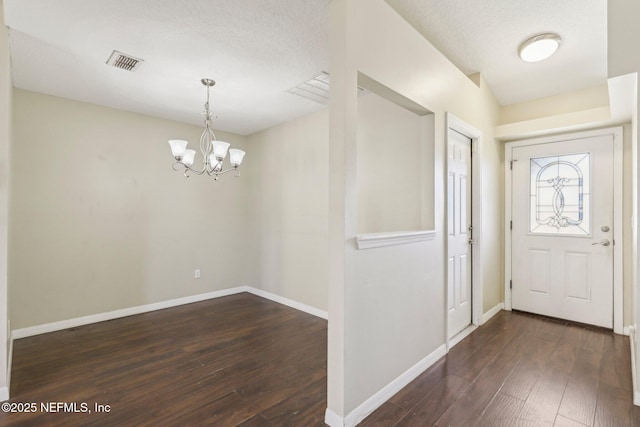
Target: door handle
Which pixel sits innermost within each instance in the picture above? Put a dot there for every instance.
(603, 242)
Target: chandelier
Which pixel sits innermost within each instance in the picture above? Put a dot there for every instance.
(213, 151)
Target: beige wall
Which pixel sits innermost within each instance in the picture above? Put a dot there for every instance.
(5, 136)
(288, 170)
(99, 221)
(392, 158)
(585, 99)
(387, 305)
(485, 111)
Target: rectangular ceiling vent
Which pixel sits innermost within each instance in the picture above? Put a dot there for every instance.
(317, 88)
(124, 61)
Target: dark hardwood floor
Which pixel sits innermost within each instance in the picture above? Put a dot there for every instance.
(246, 361)
(521, 370)
(234, 361)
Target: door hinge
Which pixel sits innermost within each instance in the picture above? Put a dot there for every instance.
(511, 163)
(510, 225)
(510, 284)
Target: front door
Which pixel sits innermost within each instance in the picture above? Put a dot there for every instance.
(562, 229)
(459, 239)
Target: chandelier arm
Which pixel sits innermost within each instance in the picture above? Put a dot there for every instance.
(197, 172)
(211, 170)
(229, 170)
(186, 169)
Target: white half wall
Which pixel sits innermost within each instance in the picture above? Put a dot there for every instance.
(387, 305)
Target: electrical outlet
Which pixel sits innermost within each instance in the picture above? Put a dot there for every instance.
(196, 274)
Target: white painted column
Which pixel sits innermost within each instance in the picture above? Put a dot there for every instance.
(337, 123)
(624, 58)
(5, 134)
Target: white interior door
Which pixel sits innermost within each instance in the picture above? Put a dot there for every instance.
(562, 230)
(459, 211)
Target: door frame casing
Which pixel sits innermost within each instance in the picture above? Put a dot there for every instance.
(618, 246)
(458, 125)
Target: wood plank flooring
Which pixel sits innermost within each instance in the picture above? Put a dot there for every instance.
(249, 362)
(521, 370)
(234, 361)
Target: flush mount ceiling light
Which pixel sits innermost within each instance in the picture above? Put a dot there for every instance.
(213, 151)
(539, 47)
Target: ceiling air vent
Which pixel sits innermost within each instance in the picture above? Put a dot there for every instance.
(124, 61)
(317, 88)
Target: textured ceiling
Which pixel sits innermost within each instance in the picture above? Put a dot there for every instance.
(258, 49)
(255, 49)
(483, 36)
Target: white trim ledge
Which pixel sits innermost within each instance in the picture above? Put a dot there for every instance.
(377, 240)
(492, 312)
(367, 407)
(4, 394)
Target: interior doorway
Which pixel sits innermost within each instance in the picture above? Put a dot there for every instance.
(460, 231)
(463, 225)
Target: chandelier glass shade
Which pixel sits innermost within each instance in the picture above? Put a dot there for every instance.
(213, 151)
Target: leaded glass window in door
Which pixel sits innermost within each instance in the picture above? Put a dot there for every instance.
(559, 197)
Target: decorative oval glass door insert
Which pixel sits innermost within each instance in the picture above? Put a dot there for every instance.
(559, 197)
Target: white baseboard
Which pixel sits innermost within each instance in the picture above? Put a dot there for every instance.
(4, 394)
(116, 314)
(374, 402)
(625, 330)
(289, 302)
(492, 312)
(110, 315)
(332, 419)
(634, 378)
(461, 335)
